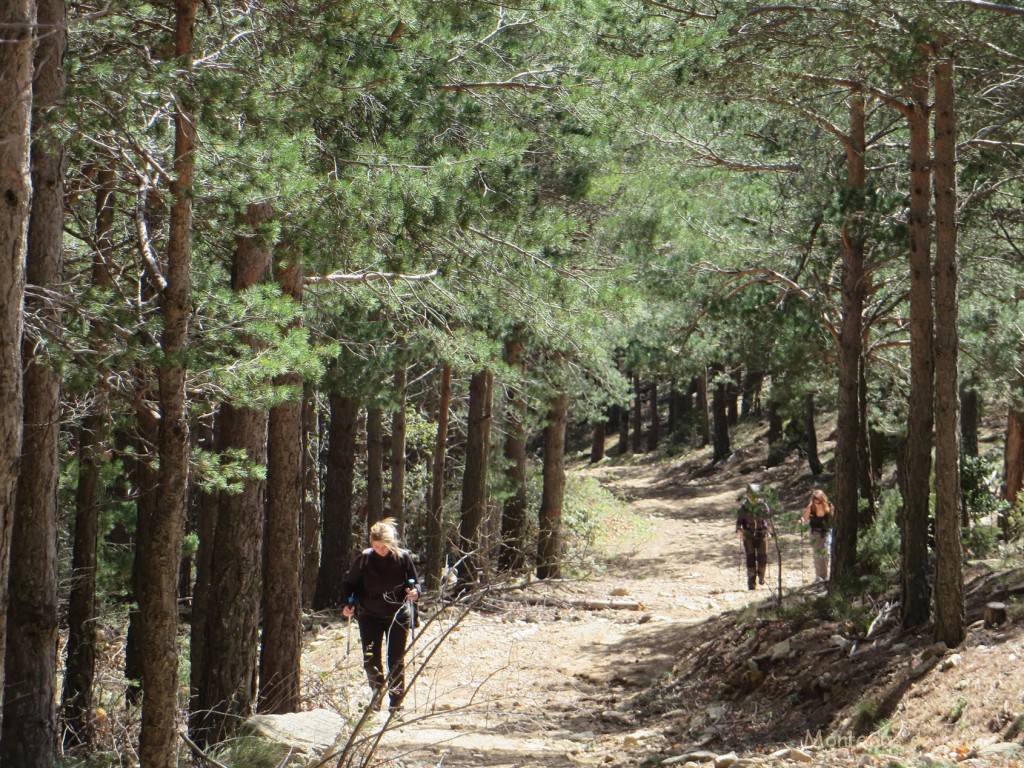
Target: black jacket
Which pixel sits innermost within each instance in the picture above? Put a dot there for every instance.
(377, 584)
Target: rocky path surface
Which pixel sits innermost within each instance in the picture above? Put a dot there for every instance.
(535, 683)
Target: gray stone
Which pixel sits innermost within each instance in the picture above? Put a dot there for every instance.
(310, 733)
(726, 761)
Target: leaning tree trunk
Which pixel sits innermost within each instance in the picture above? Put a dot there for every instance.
(396, 498)
(158, 575)
(435, 518)
(950, 613)
(310, 526)
(915, 598)
(228, 680)
(513, 517)
(846, 464)
(281, 640)
(339, 491)
(374, 465)
(719, 416)
(474, 479)
(29, 735)
(17, 20)
(549, 543)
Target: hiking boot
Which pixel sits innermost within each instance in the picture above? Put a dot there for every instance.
(751, 584)
(760, 580)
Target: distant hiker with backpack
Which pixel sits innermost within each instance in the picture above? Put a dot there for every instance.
(754, 524)
(381, 589)
(818, 514)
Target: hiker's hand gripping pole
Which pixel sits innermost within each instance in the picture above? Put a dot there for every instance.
(347, 611)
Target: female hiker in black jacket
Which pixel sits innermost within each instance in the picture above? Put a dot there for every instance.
(380, 588)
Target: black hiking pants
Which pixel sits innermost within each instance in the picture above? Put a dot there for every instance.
(372, 632)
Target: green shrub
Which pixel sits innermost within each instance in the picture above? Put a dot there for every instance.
(878, 548)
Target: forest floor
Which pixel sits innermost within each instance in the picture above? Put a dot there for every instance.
(691, 667)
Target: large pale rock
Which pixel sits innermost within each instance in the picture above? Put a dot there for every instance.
(309, 733)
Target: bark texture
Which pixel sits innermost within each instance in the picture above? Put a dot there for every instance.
(513, 518)
(336, 534)
(474, 479)
(30, 714)
(281, 646)
(950, 612)
(16, 20)
(844, 547)
(435, 520)
(549, 545)
(916, 594)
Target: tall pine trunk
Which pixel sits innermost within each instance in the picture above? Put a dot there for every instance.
(915, 593)
(228, 678)
(374, 465)
(29, 713)
(158, 573)
(950, 613)
(513, 517)
(719, 415)
(848, 426)
(654, 433)
(17, 18)
(549, 565)
(703, 415)
(310, 498)
(638, 415)
(396, 498)
(435, 518)
(80, 664)
(339, 492)
(281, 641)
(474, 479)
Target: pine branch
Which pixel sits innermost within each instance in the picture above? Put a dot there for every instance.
(367, 277)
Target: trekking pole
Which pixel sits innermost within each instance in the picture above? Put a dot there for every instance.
(348, 632)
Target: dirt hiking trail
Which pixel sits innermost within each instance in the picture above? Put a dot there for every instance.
(541, 682)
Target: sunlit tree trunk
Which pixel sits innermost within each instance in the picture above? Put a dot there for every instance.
(281, 640)
(950, 613)
(915, 593)
(158, 574)
(228, 688)
(17, 18)
(29, 710)
(845, 497)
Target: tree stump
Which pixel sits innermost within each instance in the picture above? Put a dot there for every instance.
(995, 614)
